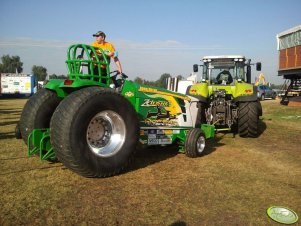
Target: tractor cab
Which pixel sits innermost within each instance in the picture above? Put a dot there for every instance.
(226, 69)
(223, 70)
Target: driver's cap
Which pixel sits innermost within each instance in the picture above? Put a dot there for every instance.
(99, 33)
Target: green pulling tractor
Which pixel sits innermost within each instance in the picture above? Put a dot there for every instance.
(93, 120)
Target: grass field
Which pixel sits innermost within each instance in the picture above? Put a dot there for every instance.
(233, 184)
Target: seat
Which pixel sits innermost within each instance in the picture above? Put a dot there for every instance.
(224, 77)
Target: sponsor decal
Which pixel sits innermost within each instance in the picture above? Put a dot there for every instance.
(147, 89)
(176, 131)
(152, 103)
(129, 94)
(152, 136)
(152, 131)
(152, 90)
(160, 122)
(165, 141)
(152, 141)
(160, 131)
(168, 131)
(159, 114)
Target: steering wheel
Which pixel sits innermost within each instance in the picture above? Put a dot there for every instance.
(124, 76)
(118, 82)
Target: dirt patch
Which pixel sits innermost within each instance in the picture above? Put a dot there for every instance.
(232, 184)
(294, 102)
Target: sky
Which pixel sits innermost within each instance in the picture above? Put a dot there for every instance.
(151, 37)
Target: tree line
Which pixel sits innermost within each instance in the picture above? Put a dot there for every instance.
(161, 82)
(13, 64)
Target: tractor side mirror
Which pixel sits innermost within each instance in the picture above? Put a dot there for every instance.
(248, 75)
(195, 68)
(258, 66)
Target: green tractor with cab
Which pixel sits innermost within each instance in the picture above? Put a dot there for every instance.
(227, 99)
(92, 122)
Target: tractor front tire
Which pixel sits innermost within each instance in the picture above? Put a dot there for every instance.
(94, 132)
(194, 143)
(248, 115)
(37, 112)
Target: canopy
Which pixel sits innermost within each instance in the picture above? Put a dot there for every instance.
(289, 38)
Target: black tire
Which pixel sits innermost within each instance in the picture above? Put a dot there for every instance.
(82, 129)
(194, 143)
(248, 115)
(259, 108)
(262, 98)
(37, 112)
(18, 134)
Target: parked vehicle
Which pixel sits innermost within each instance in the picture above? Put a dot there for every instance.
(264, 91)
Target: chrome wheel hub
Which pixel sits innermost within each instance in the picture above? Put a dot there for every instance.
(200, 144)
(106, 133)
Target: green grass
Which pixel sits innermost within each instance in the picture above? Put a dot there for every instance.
(233, 184)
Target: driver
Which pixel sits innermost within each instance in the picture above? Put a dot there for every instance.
(109, 50)
(224, 77)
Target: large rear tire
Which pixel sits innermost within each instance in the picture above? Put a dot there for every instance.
(94, 132)
(248, 115)
(37, 112)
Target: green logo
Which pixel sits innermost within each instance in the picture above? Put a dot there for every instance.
(282, 214)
